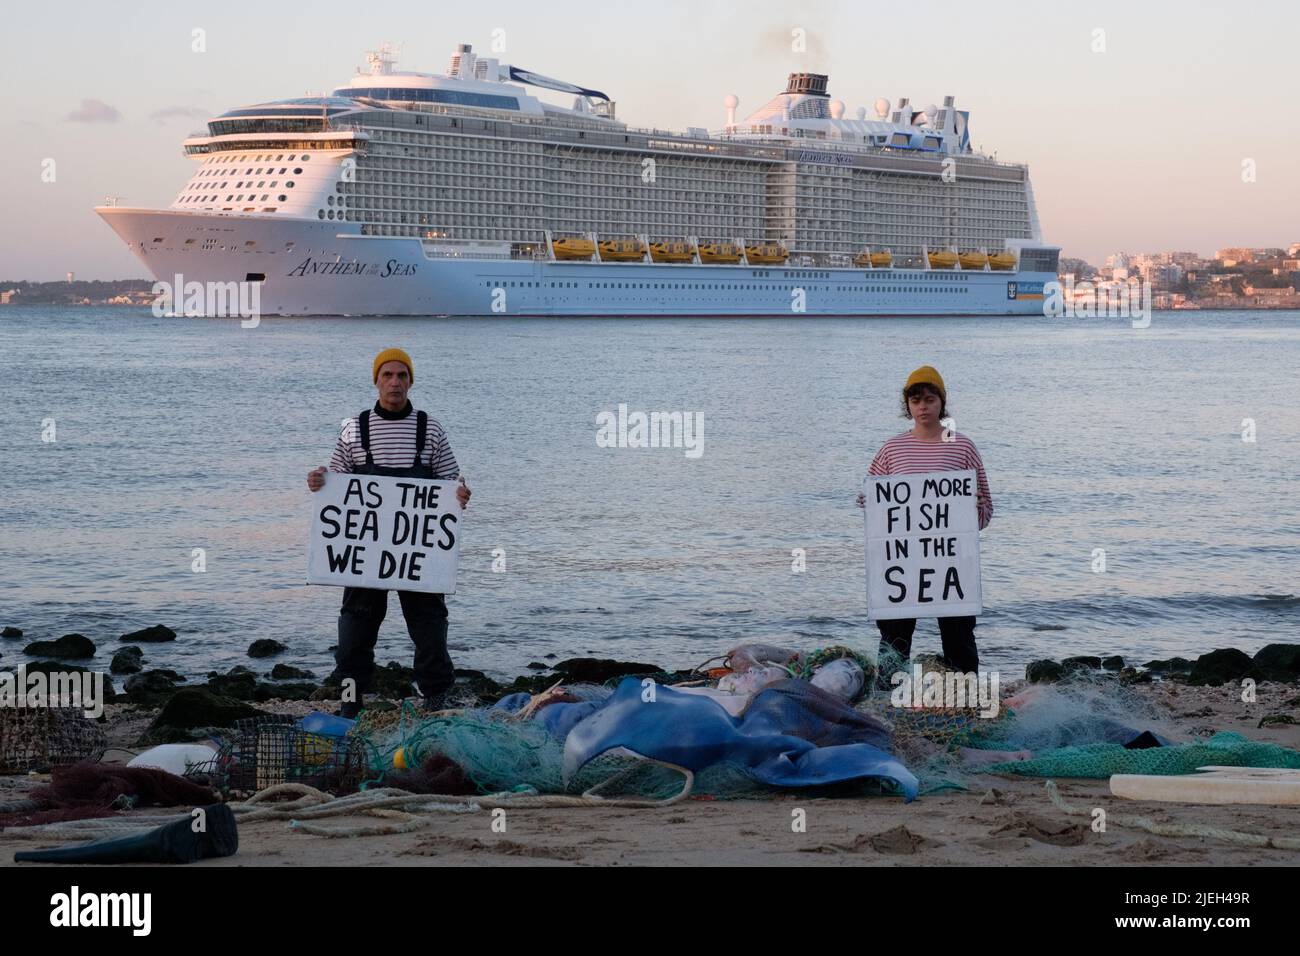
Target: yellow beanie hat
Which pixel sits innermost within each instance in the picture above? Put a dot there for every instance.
(925, 375)
(394, 355)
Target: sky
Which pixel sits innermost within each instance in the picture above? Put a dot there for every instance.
(1146, 126)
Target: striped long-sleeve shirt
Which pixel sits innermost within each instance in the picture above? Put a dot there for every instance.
(392, 444)
(906, 455)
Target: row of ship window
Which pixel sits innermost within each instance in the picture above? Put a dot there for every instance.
(719, 286)
(260, 158)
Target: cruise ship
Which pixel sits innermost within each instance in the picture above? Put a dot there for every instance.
(468, 194)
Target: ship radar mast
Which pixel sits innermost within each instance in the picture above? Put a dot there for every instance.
(381, 61)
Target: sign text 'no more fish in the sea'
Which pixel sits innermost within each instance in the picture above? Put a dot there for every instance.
(923, 545)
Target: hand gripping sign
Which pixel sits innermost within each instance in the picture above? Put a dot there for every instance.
(923, 545)
(395, 534)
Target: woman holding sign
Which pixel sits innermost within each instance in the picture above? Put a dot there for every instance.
(929, 447)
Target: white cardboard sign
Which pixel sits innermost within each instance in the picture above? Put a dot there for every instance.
(376, 531)
(923, 545)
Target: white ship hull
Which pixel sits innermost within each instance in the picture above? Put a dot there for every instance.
(321, 268)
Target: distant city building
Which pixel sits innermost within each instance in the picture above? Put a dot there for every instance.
(1234, 257)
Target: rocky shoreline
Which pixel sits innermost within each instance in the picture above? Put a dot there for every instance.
(157, 705)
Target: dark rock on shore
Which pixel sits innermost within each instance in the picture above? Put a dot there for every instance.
(1174, 665)
(292, 690)
(1131, 675)
(1071, 664)
(593, 670)
(285, 672)
(1044, 672)
(12, 632)
(129, 660)
(239, 683)
(1279, 661)
(70, 646)
(189, 713)
(150, 635)
(151, 688)
(265, 647)
(1115, 663)
(537, 666)
(1218, 667)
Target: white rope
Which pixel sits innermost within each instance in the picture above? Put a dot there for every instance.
(1176, 829)
(388, 803)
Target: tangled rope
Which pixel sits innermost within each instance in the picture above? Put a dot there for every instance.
(407, 811)
(1176, 829)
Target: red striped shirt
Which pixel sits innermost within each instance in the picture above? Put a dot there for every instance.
(907, 455)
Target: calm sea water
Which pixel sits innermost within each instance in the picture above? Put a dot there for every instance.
(176, 434)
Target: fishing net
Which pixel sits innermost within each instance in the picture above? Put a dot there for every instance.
(1076, 728)
(498, 752)
(1102, 760)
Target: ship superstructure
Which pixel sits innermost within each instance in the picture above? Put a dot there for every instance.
(466, 193)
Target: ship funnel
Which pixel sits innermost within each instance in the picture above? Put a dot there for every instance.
(730, 102)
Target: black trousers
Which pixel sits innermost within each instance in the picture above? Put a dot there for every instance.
(426, 621)
(958, 634)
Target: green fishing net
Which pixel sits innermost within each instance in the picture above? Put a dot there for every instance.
(1099, 761)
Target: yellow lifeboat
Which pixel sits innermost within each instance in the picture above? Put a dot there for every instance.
(766, 254)
(573, 247)
(972, 260)
(942, 259)
(724, 252)
(1002, 261)
(621, 250)
(675, 251)
(875, 260)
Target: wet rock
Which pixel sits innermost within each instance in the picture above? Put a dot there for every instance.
(1115, 663)
(550, 657)
(69, 646)
(1218, 667)
(1131, 675)
(1269, 719)
(239, 684)
(12, 632)
(285, 672)
(1174, 665)
(286, 691)
(1279, 661)
(476, 684)
(537, 666)
(189, 713)
(265, 647)
(52, 667)
(1044, 672)
(324, 693)
(129, 660)
(1085, 663)
(593, 670)
(150, 688)
(150, 635)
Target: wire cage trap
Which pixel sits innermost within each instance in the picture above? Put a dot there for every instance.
(269, 750)
(42, 738)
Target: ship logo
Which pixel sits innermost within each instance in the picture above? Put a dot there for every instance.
(1011, 290)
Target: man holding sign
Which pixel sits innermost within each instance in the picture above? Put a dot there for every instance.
(397, 529)
(923, 531)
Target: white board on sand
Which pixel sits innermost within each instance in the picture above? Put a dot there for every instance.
(1261, 785)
